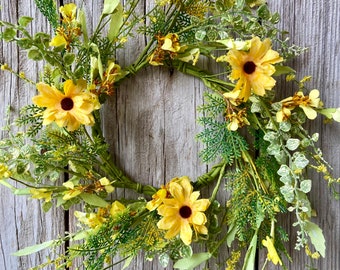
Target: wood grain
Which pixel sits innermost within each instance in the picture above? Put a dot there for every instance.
(150, 127)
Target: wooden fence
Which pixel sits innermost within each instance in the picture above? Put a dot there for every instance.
(150, 122)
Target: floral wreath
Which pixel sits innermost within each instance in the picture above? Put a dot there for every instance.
(264, 176)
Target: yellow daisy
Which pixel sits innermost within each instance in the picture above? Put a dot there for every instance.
(253, 69)
(69, 109)
(183, 211)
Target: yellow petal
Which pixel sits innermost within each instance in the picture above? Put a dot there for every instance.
(309, 112)
(198, 218)
(186, 233)
(57, 41)
(201, 205)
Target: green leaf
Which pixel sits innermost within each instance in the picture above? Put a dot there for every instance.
(93, 199)
(328, 112)
(292, 144)
(127, 262)
(164, 259)
(22, 191)
(110, 6)
(34, 54)
(82, 20)
(263, 12)
(195, 260)
(231, 234)
(316, 237)
(280, 70)
(306, 186)
(288, 193)
(9, 34)
(249, 260)
(47, 206)
(116, 23)
(33, 249)
(69, 58)
(300, 160)
(240, 4)
(24, 21)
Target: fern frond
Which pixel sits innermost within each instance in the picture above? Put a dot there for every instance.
(219, 141)
(49, 10)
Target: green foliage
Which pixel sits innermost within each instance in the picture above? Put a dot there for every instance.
(31, 118)
(49, 10)
(219, 141)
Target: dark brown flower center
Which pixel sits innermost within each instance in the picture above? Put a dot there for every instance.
(249, 67)
(185, 211)
(67, 104)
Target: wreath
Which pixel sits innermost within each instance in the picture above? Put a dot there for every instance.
(264, 171)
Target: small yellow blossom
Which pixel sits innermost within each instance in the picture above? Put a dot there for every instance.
(72, 191)
(272, 253)
(253, 69)
(237, 120)
(307, 103)
(182, 211)
(117, 208)
(188, 55)
(4, 171)
(41, 193)
(59, 39)
(107, 185)
(233, 97)
(157, 199)
(70, 109)
(92, 220)
(163, 2)
(168, 46)
(68, 12)
(5, 67)
(315, 255)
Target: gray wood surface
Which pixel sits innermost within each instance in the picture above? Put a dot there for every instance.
(150, 125)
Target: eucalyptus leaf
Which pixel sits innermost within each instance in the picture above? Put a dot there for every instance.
(292, 144)
(164, 259)
(270, 136)
(306, 186)
(300, 160)
(285, 126)
(193, 261)
(288, 193)
(200, 35)
(284, 170)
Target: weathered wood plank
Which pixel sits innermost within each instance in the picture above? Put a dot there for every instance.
(23, 221)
